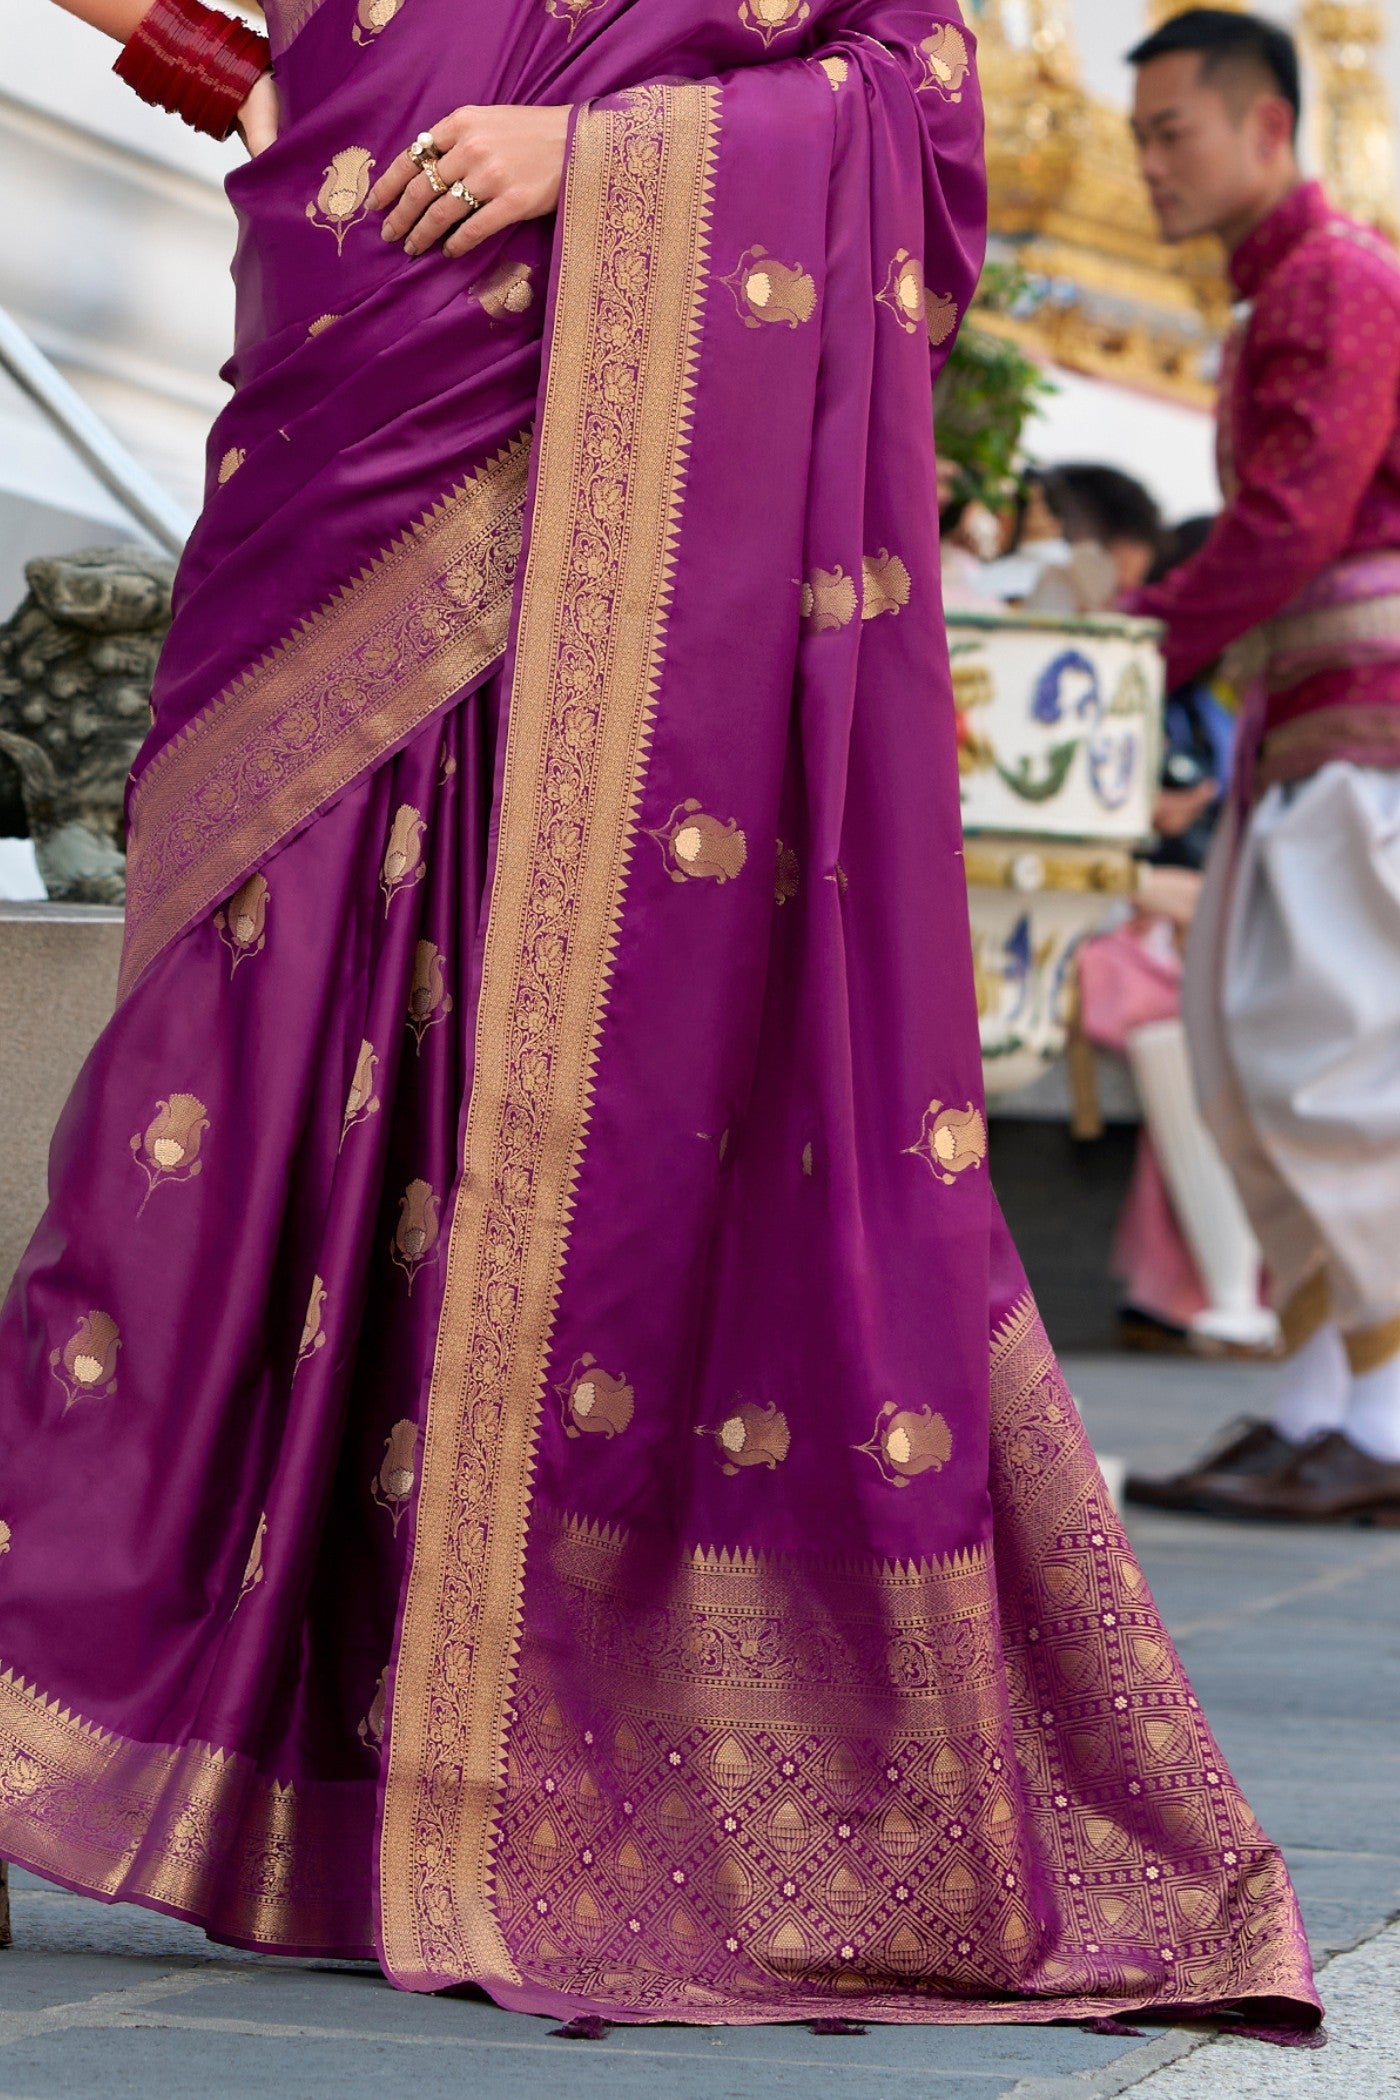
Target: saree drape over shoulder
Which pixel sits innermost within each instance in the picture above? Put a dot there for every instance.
(524, 1446)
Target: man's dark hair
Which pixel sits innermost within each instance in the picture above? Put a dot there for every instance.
(1230, 43)
(1103, 504)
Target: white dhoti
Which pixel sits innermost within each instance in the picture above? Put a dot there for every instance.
(1292, 1008)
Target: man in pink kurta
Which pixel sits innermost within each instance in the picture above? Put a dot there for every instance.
(1293, 983)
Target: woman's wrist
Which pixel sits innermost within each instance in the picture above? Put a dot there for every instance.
(196, 61)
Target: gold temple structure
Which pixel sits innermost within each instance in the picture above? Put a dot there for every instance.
(1104, 296)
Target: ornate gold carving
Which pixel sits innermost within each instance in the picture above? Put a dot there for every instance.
(908, 1441)
(343, 688)
(313, 1333)
(404, 866)
(630, 305)
(887, 585)
(698, 847)
(1348, 113)
(86, 1365)
(768, 292)
(393, 1485)
(769, 18)
(168, 1148)
(508, 291)
(242, 924)
(947, 62)
(429, 1000)
(829, 600)
(953, 1141)
(787, 876)
(416, 1234)
(253, 1571)
(231, 462)
(751, 1436)
(371, 16)
(340, 201)
(594, 1402)
(361, 1102)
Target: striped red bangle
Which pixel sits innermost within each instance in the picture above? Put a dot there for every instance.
(195, 61)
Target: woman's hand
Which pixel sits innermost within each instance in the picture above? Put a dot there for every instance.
(257, 119)
(510, 158)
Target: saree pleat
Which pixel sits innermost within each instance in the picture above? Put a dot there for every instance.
(576, 1495)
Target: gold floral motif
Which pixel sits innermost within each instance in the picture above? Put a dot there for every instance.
(371, 1728)
(371, 16)
(168, 1149)
(767, 291)
(242, 924)
(787, 875)
(393, 1485)
(751, 1436)
(509, 290)
(361, 1102)
(340, 201)
(321, 323)
(594, 1402)
(837, 71)
(809, 1159)
(947, 61)
(416, 1234)
(86, 1365)
(570, 11)
(448, 769)
(697, 847)
(769, 18)
(254, 1570)
(6, 1535)
(903, 293)
(953, 1140)
(829, 599)
(940, 316)
(908, 1441)
(404, 866)
(231, 462)
(313, 1333)
(429, 1000)
(887, 585)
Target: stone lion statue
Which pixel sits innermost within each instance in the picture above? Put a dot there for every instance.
(76, 664)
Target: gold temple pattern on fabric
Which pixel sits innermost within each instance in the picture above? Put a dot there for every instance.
(975, 1789)
(424, 618)
(612, 453)
(195, 1829)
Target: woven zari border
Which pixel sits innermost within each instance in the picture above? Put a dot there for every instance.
(634, 272)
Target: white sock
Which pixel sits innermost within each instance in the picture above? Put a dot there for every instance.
(1373, 1412)
(1313, 1388)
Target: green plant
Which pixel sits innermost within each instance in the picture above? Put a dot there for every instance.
(985, 395)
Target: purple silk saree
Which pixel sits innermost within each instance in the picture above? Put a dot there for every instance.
(524, 1446)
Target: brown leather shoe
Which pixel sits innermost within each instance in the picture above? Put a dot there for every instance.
(1247, 1450)
(1329, 1481)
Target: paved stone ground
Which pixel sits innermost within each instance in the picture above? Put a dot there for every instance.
(1294, 1644)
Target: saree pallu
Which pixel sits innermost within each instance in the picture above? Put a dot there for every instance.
(526, 1448)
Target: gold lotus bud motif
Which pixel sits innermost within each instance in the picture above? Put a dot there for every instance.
(415, 1235)
(392, 1488)
(751, 1436)
(242, 924)
(87, 1363)
(231, 462)
(829, 599)
(403, 856)
(313, 1334)
(947, 62)
(887, 585)
(508, 290)
(953, 1140)
(371, 16)
(903, 293)
(787, 876)
(769, 18)
(371, 1728)
(168, 1149)
(907, 1442)
(595, 1403)
(767, 291)
(340, 201)
(837, 71)
(361, 1102)
(698, 847)
(428, 998)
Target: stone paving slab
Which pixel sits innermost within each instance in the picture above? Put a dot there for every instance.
(1293, 1639)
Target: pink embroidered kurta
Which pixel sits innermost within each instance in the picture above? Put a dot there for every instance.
(1310, 455)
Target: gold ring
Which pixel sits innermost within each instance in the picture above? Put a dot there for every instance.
(439, 187)
(463, 195)
(423, 151)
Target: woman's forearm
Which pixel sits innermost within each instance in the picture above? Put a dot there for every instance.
(116, 18)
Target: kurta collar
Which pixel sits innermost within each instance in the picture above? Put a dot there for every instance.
(1261, 252)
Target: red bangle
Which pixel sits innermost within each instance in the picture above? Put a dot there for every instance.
(195, 61)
